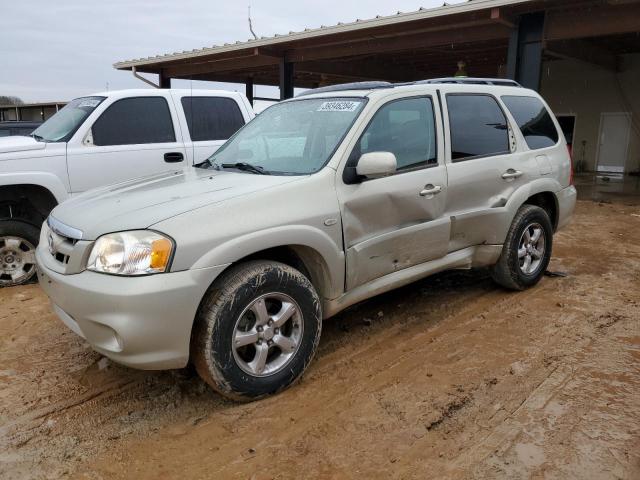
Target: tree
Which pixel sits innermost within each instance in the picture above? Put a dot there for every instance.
(9, 100)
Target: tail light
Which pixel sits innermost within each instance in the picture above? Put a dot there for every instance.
(570, 150)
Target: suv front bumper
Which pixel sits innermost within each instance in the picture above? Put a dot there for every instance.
(142, 322)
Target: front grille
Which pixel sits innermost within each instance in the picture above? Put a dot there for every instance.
(60, 247)
(63, 245)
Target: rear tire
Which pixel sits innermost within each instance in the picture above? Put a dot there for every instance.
(256, 331)
(18, 241)
(526, 251)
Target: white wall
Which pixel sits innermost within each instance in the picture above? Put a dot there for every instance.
(574, 87)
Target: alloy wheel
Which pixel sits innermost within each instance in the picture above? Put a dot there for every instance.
(17, 260)
(531, 248)
(267, 334)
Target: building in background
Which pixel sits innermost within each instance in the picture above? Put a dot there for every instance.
(582, 55)
(29, 112)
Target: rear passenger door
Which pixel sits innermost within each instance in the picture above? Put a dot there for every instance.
(483, 172)
(208, 123)
(133, 137)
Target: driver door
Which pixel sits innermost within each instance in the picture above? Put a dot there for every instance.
(396, 222)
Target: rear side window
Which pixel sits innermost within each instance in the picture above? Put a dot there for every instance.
(406, 129)
(478, 126)
(133, 121)
(534, 121)
(211, 118)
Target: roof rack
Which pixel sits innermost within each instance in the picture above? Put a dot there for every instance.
(374, 85)
(503, 82)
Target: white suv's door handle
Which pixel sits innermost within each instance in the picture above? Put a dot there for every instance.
(511, 173)
(430, 190)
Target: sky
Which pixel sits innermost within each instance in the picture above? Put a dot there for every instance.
(59, 50)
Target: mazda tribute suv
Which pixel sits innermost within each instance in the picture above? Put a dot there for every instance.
(320, 202)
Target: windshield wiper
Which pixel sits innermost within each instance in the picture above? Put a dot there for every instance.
(246, 167)
(37, 138)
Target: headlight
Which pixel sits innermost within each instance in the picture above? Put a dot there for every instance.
(131, 253)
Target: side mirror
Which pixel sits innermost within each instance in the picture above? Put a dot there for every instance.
(377, 164)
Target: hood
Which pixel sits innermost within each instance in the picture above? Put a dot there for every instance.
(140, 203)
(20, 144)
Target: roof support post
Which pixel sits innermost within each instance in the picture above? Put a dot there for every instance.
(286, 79)
(524, 58)
(163, 80)
(249, 89)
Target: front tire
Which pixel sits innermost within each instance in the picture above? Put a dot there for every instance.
(18, 241)
(526, 251)
(257, 329)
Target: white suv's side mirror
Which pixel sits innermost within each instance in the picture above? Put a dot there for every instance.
(377, 164)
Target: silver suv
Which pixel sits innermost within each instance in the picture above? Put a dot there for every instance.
(320, 202)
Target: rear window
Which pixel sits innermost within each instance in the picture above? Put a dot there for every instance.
(211, 118)
(534, 121)
(134, 121)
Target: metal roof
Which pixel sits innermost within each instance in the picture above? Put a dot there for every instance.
(358, 24)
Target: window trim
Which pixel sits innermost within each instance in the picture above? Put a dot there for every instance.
(477, 157)
(423, 166)
(549, 112)
(173, 127)
(184, 112)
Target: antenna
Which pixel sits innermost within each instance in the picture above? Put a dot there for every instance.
(251, 26)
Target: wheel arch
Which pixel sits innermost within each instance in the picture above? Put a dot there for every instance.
(28, 202)
(548, 202)
(304, 248)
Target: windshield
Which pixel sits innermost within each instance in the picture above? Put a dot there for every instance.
(291, 138)
(64, 124)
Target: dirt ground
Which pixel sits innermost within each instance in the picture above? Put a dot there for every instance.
(450, 377)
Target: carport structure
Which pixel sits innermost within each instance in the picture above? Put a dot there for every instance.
(494, 38)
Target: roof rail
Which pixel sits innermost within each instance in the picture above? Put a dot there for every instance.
(374, 85)
(504, 82)
(348, 86)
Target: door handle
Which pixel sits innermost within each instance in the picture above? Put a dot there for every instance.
(511, 173)
(430, 190)
(173, 157)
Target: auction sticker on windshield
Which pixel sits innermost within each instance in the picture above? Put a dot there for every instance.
(341, 106)
(90, 102)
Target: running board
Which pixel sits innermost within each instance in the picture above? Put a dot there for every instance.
(479, 256)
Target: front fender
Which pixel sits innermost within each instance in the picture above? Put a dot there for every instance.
(328, 260)
(42, 179)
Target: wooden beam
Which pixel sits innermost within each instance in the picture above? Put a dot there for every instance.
(369, 68)
(497, 15)
(400, 42)
(594, 21)
(584, 51)
(226, 65)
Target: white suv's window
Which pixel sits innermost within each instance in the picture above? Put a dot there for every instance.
(478, 126)
(406, 129)
(211, 118)
(133, 121)
(62, 126)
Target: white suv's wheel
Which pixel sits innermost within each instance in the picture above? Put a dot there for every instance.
(526, 251)
(257, 329)
(18, 241)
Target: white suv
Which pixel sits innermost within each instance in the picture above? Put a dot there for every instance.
(320, 202)
(101, 139)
